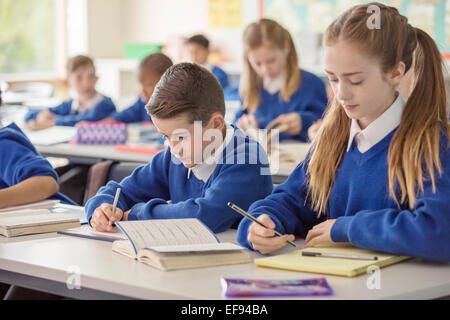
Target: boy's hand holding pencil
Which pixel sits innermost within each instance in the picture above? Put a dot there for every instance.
(105, 215)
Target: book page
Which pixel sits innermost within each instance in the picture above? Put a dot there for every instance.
(23, 213)
(44, 204)
(166, 232)
(226, 246)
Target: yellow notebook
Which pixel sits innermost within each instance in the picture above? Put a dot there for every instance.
(333, 266)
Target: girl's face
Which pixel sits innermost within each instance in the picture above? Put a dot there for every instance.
(268, 62)
(359, 84)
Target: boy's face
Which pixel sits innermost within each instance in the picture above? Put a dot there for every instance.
(197, 53)
(191, 143)
(83, 80)
(148, 80)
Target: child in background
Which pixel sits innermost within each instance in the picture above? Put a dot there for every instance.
(88, 104)
(378, 174)
(207, 164)
(273, 88)
(150, 71)
(198, 47)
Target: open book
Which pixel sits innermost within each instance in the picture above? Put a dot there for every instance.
(171, 244)
(23, 222)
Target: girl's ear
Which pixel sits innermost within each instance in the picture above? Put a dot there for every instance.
(397, 73)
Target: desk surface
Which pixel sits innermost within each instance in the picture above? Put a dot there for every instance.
(49, 257)
(91, 154)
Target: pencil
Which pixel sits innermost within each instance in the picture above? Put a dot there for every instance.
(249, 216)
(116, 199)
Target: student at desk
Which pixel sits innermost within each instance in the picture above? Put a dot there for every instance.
(150, 71)
(88, 105)
(273, 88)
(378, 174)
(25, 176)
(207, 164)
(198, 47)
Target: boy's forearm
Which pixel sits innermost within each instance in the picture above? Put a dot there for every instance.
(28, 191)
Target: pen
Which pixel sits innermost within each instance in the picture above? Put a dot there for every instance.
(249, 216)
(337, 255)
(116, 199)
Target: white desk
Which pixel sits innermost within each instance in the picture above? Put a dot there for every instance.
(42, 261)
(91, 154)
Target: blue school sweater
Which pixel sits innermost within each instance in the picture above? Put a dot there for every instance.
(221, 76)
(366, 215)
(64, 117)
(309, 101)
(135, 113)
(237, 178)
(19, 160)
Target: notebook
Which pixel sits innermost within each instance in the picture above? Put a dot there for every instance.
(333, 266)
(51, 136)
(33, 221)
(44, 204)
(89, 233)
(172, 244)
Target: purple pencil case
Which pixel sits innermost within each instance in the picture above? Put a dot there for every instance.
(234, 287)
(101, 133)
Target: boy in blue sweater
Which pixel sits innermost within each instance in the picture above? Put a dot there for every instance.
(88, 105)
(207, 164)
(378, 173)
(198, 48)
(150, 71)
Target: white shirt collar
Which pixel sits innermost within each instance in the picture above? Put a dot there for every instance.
(88, 106)
(208, 66)
(274, 85)
(204, 170)
(378, 129)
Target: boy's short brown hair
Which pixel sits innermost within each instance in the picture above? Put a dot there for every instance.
(187, 88)
(79, 61)
(157, 62)
(200, 40)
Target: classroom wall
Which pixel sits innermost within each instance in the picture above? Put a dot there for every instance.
(113, 22)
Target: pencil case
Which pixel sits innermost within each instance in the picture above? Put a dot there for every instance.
(101, 133)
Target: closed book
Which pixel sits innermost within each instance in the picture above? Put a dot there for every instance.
(30, 221)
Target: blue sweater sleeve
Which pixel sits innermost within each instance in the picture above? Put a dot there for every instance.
(221, 76)
(61, 109)
(212, 208)
(101, 111)
(286, 207)
(146, 182)
(423, 231)
(21, 163)
(131, 114)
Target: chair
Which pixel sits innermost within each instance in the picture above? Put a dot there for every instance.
(102, 172)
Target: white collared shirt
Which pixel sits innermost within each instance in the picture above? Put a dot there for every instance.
(378, 129)
(274, 85)
(88, 106)
(204, 170)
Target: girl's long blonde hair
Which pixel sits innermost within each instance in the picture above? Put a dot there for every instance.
(413, 154)
(267, 32)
